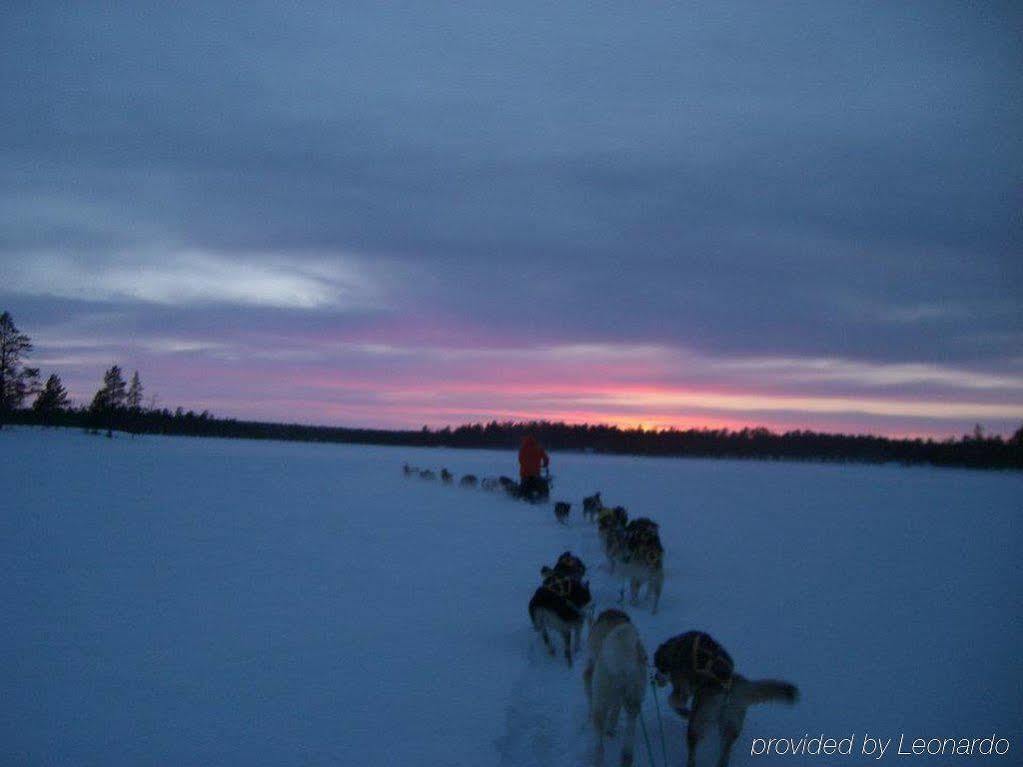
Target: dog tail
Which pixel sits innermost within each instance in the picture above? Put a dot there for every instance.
(767, 691)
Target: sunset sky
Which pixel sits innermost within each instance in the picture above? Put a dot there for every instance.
(796, 215)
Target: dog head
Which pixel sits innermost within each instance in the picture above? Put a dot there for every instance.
(570, 564)
(612, 617)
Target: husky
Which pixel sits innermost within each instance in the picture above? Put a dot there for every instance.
(469, 480)
(639, 565)
(490, 484)
(591, 504)
(560, 605)
(446, 476)
(427, 474)
(725, 708)
(607, 620)
(643, 528)
(409, 470)
(613, 538)
(636, 557)
(617, 516)
(561, 511)
(615, 678)
(568, 564)
(697, 665)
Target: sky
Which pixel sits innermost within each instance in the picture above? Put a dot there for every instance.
(709, 214)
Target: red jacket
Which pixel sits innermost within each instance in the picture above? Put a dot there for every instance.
(531, 458)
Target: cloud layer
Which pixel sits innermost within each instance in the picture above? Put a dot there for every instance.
(730, 212)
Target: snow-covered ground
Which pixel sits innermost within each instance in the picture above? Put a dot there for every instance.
(214, 602)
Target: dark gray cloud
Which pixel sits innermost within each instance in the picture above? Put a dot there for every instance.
(815, 179)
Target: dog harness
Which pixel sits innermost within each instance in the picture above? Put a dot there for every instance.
(698, 657)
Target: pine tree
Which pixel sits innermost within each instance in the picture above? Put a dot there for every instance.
(53, 397)
(134, 397)
(112, 396)
(16, 380)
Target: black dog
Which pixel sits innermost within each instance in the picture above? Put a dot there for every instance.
(561, 510)
(560, 604)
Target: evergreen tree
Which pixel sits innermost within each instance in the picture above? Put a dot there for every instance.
(16, 380)
(113, 394)
(134, 397)
(53, 397)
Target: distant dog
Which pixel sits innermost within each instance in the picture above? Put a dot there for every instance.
(611, 524)
(591, 504)
(510, 486)
(614, 541)
(561, 510)
(469, 480)
(639, 565)
(615, 678)
(427, 474)
(560, 605)
(490, 484)
(446, 476)
(616, 516)
(636, 556)
(409, 470)
(642, 529)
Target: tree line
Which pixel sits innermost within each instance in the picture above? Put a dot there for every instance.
(118, 406)
(115, 403)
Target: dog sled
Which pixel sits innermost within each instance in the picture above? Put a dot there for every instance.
(535, 489)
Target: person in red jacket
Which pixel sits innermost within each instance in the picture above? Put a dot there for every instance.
(532, 458)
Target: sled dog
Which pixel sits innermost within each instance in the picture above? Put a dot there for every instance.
(697, 665)
(561, 511)
(615, 679)
(567, 564)
(726, 710)
(591, 504)
(639, 565)
(560, 605)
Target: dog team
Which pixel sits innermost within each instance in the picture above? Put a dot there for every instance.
(706, 690)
